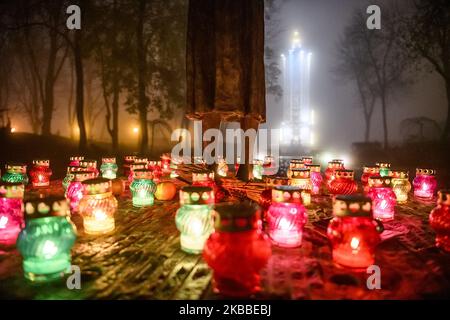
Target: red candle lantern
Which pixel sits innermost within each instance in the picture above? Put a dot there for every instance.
(286, 217)
(440, 220)
(294, 164)
(40, 173)
(165, 163)
(205, 178)
(11, 216)
(75, 160)
(425, 184)
(344, 183)
(155, 167)
(383, 198)
(316, 178)
(127, 161)
(368, 171)
(331, 168)
(237, 241)
(353, 232)
(90, 165)
(307, 160)
(75, 190)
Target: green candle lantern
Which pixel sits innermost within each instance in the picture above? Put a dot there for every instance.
(385, 168)
(16, 172)
(47, 239)
(194, 218)
(109, 168)
(142, 188)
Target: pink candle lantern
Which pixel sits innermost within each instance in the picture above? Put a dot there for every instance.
(368, 171)
(165, 163)
(75, 190)
(331, 168)
(286, 217)
(316, 178)
(353, 232)
(383, 198)
(440, 220)
(136, 166)
(400, 184)
(11, 216)
(269, 166)
(425, 184)
(127, 161)
(344, 183)
(75, 160)
(237, 250)
(294, 164)
(90, 165)
(40, 173)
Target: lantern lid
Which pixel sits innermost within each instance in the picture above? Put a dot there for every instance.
(300, 173)
(83, 175)
(236, 217)
(71, 169)
(88, 163)
(129, 158)
(54, 206)
(41, 162)
(154, 162)
(335, 164)
(194, 195)
(399, 174)
(109, 160)
(97, 186)
(202, 175)
(425, 171)
(371, 169)
(287, 194)
(138, 165)
(344, 173)
(352, 206)
(16, 166)
(276, 180)
(76, 158)
(337, 160)
(140, 159)
(258, 162)
(313, 167)
(383, 164)
(12, 190)
(379, 181)
(142, 174)
(444, 197)
(296, 161)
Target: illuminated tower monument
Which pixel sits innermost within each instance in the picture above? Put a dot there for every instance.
(298, 117)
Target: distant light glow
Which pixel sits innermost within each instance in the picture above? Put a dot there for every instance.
(13, 129)
(135, 129)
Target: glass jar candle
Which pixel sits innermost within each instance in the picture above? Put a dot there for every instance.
(98, 206)
(155, 167)
(237, 250)
(40, 173)
(440, 220)
(425, 184)
(70, 174)
(368, 171)
(353, 232)
(269, 167)
(16, 172)
(165, 163)
(400, 184)
(90, 165)
(383, 198)
(135, 166)
(286, 217)
(302, 178)
(385, 167)
(203, 178)
(194, 218)
(344, 183)
(75, 160)
(47, 239)
(265, 198)
(142, 188)
(74, 191)
(258, 169)
(109, 168)
(307, 160)
(331, 168)
(127, 161)
(316, 178)
(294, 164)
(11, 216)
(222, 167)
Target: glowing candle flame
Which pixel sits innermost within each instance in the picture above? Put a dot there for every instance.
(196, 227)
(99, 215)
(354, 243)
(49, 249)
(284, 224)
(3, 222)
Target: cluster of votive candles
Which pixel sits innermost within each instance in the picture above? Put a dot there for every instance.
(227, 234)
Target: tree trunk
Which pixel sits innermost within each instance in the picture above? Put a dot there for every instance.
(142, 66)
(48, 99)
(115, 117)
(446, 132)
(79, 103)
(245, 171)
(384, 116)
